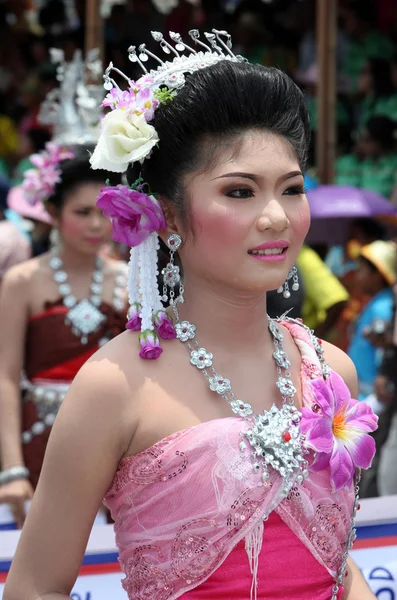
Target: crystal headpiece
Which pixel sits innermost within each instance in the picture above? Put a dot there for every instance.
(74, 108)
(127, 136)
(172, 73)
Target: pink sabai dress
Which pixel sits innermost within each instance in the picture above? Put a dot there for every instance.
(194, 521)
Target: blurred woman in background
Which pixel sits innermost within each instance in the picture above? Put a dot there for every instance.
(56, 310)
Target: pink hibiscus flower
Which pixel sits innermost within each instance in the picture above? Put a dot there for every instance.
(337, 428)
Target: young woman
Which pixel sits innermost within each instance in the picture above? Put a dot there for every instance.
(214, 493)
(56, 310)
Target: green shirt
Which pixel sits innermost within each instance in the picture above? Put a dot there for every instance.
(380, 175)
(348, 170)
(342, 115)
(375, 45)
(371, 107)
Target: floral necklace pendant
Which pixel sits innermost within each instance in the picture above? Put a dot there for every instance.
(274, 438)
(84, 317)
(276, 442)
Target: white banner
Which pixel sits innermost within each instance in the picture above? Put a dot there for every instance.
(100, 578)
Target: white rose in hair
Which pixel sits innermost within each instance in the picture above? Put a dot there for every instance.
(125, 138)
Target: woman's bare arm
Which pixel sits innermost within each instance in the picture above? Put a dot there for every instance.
(14, 311)
(13, 318)
(356, 588)
(91, 433)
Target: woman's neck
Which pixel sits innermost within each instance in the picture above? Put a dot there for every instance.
(225, 318)
(75, 261)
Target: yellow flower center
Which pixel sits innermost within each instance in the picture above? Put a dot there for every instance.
(338, 425)
(147, 104)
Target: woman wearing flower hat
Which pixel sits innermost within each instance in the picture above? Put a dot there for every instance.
(56, 310)
(224, 460)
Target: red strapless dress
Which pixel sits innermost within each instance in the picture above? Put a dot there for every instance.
(54, 354)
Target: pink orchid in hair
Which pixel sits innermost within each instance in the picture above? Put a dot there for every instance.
(337, 428)
(138, 99)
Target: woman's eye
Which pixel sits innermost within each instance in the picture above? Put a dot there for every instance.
(83, 211)
(296, 190)
(241, 193)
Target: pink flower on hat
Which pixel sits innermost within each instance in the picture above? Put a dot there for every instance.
(39, 183)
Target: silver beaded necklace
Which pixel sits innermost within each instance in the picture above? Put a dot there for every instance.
(84, 316)
(274, 437)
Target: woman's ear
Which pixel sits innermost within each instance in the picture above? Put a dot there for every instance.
(172, 220)
(54, 213)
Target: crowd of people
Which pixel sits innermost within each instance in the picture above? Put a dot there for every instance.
(201, 151)
(346, 295)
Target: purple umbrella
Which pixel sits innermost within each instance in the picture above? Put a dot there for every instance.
(333, 207)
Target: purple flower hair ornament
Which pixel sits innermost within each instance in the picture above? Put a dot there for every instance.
(137, 218)
(336, 427)
(134, 214)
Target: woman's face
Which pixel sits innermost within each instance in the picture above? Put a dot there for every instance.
(249, 216)
(81, 224)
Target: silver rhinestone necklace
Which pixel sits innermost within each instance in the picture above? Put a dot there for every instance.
(84, 316)
(274, 438)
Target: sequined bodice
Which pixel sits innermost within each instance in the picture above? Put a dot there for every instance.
(182, 505)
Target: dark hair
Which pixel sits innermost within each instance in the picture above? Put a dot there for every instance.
(372, 230)
(380, 70)
(38, 137)
(75, 171)
(216, 105)
(381, 129)
(374, 269)
(363, 11)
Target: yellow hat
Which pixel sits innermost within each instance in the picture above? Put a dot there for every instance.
(383, 255)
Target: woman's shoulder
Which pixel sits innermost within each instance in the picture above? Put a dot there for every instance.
(110, 380)
(118, 361)
(117, 267)
(21, 275)
(343, 365)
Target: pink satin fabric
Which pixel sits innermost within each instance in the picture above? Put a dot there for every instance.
(185, 508)
(283, 575)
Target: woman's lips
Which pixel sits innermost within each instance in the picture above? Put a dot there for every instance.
(94, 240)
(270, 257)
(274, 251)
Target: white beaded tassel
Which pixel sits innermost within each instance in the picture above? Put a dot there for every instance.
(132, 279)
(159, 304)
(148, 287)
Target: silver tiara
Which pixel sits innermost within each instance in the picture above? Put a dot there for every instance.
(185, 58)
(74, 108)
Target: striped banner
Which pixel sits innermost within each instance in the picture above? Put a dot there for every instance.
(375, 552)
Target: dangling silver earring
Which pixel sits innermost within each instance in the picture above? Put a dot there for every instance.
(171, 274)
(284, 289)
(55, 239)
